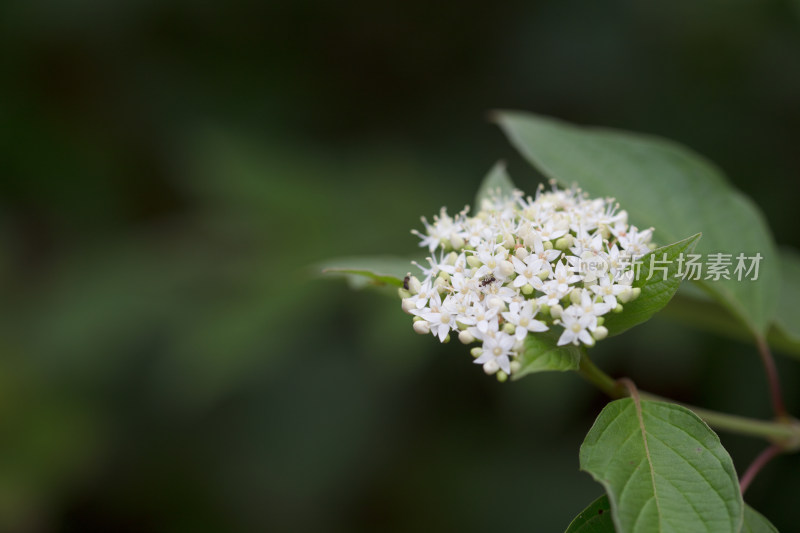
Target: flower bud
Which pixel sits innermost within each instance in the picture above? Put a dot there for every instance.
(600, 321)
(527, 289)
(636, 292)
(457, 242)
(521, 253)
(575, 296)
(556, 310)
(600, 333)
(439, 285)
(515, 366)
(509, 328)
(403, 294)
(476, 352)
(548, 245)
(473, 261)
(422, 327)
(502, 376)
(506, 268)
(626, 295)
(496, 301)
(491, 367)
(466, 337)
(617, 309)
(414, 285)
(565, 242)
(408, 305)
(543, 275)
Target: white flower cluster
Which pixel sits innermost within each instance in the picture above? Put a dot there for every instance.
(523, 266)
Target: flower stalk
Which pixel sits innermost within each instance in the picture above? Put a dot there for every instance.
(783, 433)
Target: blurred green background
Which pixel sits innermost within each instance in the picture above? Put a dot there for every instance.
(174, 169)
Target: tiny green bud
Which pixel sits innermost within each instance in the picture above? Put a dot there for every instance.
(509, 328)
(446, 339)
(575, 296)
(548, 245)
(617, 309)
(457, 241)
(403, 293)
(600, 321)
(636, 292)
(565, 242)
(451, 258)
(544, 309)
(443, 275)
(521, 253)
(502, 376)
(473, 261)
(527, 289)
(543, 275)
(476, 352)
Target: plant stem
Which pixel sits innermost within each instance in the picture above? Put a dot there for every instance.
(772, 378)
(784, 433)
(756, 466)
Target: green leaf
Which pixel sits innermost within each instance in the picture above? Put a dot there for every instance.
(542, 354)
(754, 522)
(597, 519)
(594, 519)
(656, 291)
(663, 469)
(496, 179)
(664, 185)
(787, 320)
(362, 271)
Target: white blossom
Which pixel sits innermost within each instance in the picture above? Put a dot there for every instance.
(522, 266)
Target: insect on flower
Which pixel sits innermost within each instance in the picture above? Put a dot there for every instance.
(487, 280)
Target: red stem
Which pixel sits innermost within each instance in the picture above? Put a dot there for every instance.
(756, 466)
(772, 379)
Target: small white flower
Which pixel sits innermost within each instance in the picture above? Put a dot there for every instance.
(521, 315)
(608, 290)
(442, 318)
(575, 329)
(497, 348)
(482, 317)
